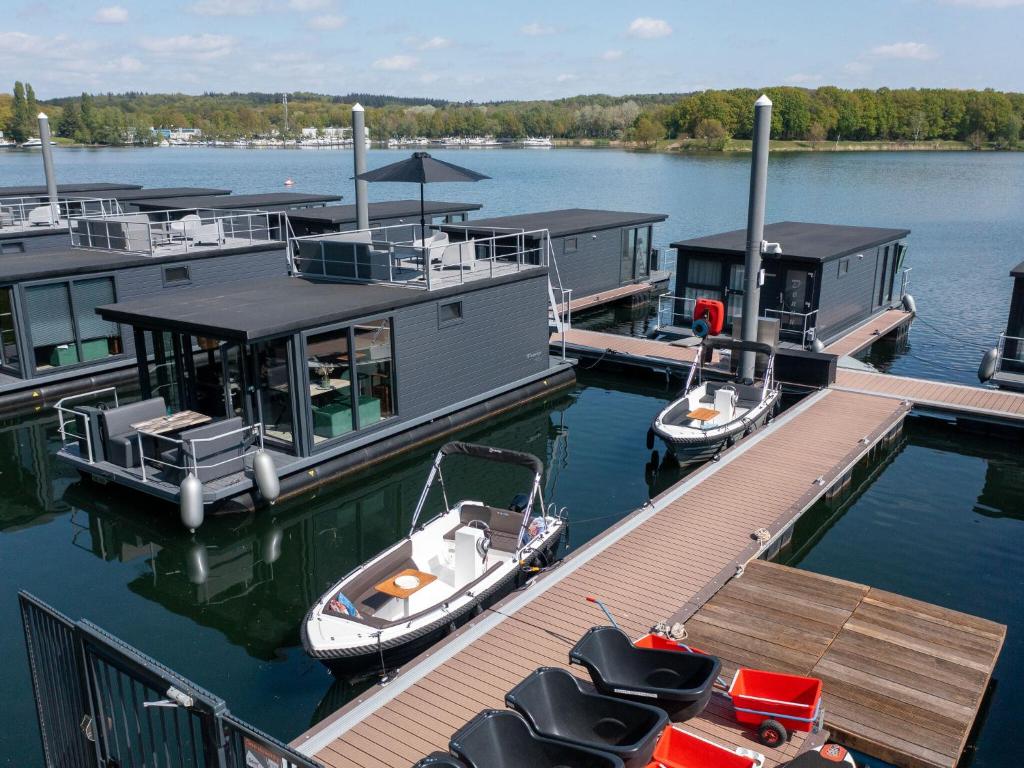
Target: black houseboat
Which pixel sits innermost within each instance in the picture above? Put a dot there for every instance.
(820, 280)
(591, 251)
(342, 218)
(387, 338)
(1004, 365)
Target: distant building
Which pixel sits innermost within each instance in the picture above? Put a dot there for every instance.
(179, 134)
(332, 132)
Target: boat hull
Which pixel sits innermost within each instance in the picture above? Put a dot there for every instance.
(371, 657)
(698, 449)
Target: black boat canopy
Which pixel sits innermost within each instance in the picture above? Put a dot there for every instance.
(727, 342)
(490, 453)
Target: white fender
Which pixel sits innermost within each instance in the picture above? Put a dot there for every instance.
(191, 500)
(267, 481)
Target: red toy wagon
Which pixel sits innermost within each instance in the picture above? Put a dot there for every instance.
(776, 704)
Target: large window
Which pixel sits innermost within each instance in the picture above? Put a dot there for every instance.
(734, 304)
(636, 254)
(273, 390)
(8, 332)
(376, 374)
(330, 384)
(704, 272)
(64, 326)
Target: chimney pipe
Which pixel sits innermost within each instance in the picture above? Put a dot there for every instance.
(51, 179)
(755, 231)
(359, 154)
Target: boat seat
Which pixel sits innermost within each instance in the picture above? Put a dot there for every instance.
(121, 446)
(749, 393)
(226, 451)
(361, 590)
(504, 524)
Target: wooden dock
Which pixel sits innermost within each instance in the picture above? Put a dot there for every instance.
(663, 561)
(863, 336)
(903, 680)
(976, 402)
(606, 297)
(625, 348)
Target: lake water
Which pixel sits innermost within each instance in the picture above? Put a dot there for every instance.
(95, 554)
(965, 209)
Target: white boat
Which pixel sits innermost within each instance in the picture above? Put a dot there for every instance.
(537, 142)
(440, 575)
(32, 143)
(710, 416)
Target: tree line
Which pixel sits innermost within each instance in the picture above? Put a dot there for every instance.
(712, 117)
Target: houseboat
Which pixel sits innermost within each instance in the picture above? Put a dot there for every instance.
(380, 341)
(53, 343)
(591, 250)
(1003, 365)
(820, 280)
(342, 218)
(266, 201)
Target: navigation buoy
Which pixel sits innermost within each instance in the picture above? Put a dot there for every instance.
(289, 182)
(987, 369)
(267, 481)
(909, 304)
(191, 500)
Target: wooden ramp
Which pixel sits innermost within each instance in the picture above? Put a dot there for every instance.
(665, 559)
(629, 347)
(903, 679)
(863, 336)
(605, 297)
(952, 398)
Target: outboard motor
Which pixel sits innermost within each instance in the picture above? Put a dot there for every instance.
(191, 499)
(267, 481)
(519, 503)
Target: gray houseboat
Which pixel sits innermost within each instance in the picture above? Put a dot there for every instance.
(268, 386)
(591, 250)
(819, 279)
(53, 342)
(1004, 364)
(342, 218)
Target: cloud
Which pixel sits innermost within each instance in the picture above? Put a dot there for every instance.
(915, 51)
(229, 7)
(111, 14)
(536, 29)
(397, 63)
(612, 55)
(648, 28)
(199, 47)
(327, 21)
(435, 43)
(856, 67)
(308, 5)
(565, 78)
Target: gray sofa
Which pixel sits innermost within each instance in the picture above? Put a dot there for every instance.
(119, 439)
(229, 449)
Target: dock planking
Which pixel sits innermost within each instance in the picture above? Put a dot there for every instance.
(663, 561)
(903, 679)
(863, 336)
(606, 297)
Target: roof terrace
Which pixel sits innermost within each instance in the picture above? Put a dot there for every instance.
(408, 256)
(28, 214)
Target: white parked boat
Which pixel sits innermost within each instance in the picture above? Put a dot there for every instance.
(440, 575)
(710, 416)
(538, 142)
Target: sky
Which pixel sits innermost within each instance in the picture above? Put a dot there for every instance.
(485, 51)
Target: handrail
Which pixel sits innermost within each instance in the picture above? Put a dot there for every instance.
(667, 312)
(1002, 357)
(36, 212)
(807, 320)
(253, 429)
(64, 411)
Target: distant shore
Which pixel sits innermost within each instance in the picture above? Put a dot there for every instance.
(698, 146)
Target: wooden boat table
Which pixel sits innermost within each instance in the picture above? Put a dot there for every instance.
(161, 425)
(702, 414)
(390, 586)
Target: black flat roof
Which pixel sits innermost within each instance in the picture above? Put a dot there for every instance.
(1018, 271)
(570, 221)
(799, 240)
(257, 309)
(165, 192)
(64, 261)
(389, 209)
(25, 191)
(239, 202)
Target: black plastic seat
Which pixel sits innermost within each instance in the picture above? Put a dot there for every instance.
(681, 683)
(502, 739)
(440, 760)
(556, 706)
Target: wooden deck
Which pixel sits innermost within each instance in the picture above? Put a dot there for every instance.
(663, 561)
(903, 679)
(625, 346)
(605, 297)
(863, 336)
(978, 402)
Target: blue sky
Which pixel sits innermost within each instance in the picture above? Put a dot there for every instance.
(507, 50)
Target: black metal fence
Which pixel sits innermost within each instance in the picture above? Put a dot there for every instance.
(103, 704)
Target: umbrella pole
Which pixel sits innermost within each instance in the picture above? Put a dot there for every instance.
(423, 216)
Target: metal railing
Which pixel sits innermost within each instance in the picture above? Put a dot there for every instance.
(799, 325)
(158, 233)
(904, 281)
(1011, 350)
(407, 255)
(68, 416)
(187, 449)
(675, 311)
(30, 213)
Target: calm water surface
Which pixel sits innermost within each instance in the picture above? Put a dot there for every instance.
(223, 607)
(942, 522)
(965, 210)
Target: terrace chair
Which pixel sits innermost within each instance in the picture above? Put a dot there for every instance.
(459, 255)
(42, 217)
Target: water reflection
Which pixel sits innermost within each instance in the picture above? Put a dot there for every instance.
(33, 483)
